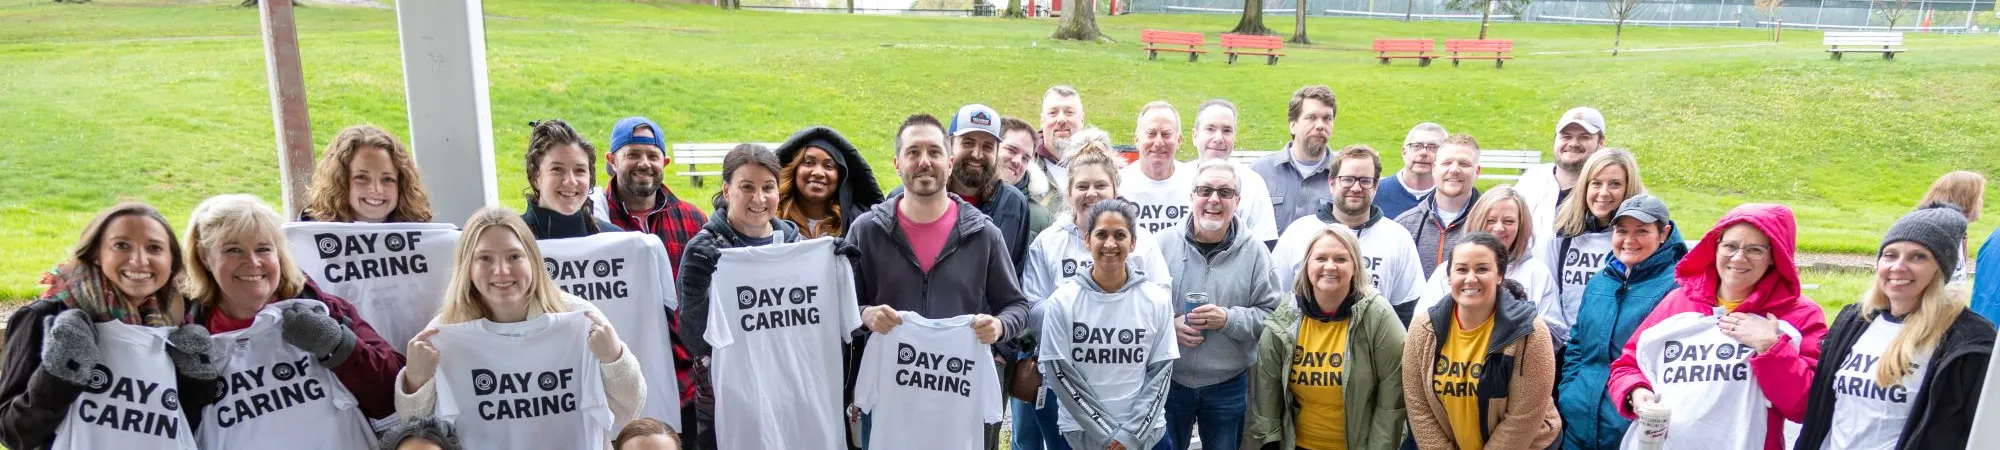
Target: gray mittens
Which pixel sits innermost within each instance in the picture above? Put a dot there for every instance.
(69, 347)
(194, 356)
(309, 328)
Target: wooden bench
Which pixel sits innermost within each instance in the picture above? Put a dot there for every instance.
(696, 155)
(1888, 43)
(1422, 50)
(1172, 41)
(1266, 46)
(1516, 160)
(1501, 50)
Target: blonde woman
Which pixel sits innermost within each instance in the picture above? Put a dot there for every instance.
(1581, 244)
(1502, 212)
(1902, 369)
(1967, 190)
(1329, 373)
(366, 175)
(497, 278)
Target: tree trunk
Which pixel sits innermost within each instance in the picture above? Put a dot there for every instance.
(1299, 31)
(1409, 8)
(1079, 22)
(1253, 19)
(850, 5)
(1014, 10)
(1485, 12)
(1617, 36)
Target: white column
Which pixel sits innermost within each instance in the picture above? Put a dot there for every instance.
(1986, 421)
(451, 127)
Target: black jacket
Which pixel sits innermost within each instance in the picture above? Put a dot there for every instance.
(1007, 208)
(1941, 416)
(972, 274)
(698, 269)
(548, 224)
(32, 403)
(858, 190)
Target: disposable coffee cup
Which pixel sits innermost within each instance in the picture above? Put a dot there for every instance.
(1652, 424)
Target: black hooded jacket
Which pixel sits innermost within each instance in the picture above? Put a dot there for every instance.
(856, 190)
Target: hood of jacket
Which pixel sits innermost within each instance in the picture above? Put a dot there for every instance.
(857, 190)
(1513, 317)
(1779, 287)
(1133, 280)
(782, 231)
(1325, 214)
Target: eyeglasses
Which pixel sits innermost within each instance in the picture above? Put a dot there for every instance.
(1221, 193)
(1432, 146)
(1753, 252)
(1347, 181)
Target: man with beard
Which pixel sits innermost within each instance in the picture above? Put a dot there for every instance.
(928, 252)
(1402, 191)
(1579, 134)
(1215, 138)
(1436, 223)
(1156, 182)
(1215, 260)
(638, 200)
(975, 131)
(1062, 116)
(1294, 176)
(1018, 142)
(1387, 250)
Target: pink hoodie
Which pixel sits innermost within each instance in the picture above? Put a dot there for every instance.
(1784, 371)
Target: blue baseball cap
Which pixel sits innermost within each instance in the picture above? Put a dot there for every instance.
(621, 134)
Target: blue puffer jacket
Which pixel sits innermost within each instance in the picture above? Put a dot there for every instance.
(1614, 304)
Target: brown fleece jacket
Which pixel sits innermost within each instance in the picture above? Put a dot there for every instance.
(1520, 368)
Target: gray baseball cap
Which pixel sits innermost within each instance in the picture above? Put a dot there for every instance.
(1645, 207)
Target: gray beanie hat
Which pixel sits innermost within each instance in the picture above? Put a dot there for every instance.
(1939, 227)
(428, 428)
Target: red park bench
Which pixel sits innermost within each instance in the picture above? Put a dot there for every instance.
(1500, 50)
(1258, 45)
(1172, 41)
(1422, 50)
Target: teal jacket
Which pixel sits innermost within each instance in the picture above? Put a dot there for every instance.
(1614, 304)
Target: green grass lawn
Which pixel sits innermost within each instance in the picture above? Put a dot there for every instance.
(165, 101)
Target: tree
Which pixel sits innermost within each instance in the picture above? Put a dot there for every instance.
(1079, 22)
(1486, 7)
(1620, 11)
(1299, 32)
(1253, 19)
(1771, 8)
(1013, 10)
(1892, 11)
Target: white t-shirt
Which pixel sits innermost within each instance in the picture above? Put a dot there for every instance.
(1162, 203)
(395, 273)
(1533, 276)
(628, 277)
(1253, 198)
(133, 400)
(1705, 377)
(1059, 253)
(934, 391)
(1538, 187)
(777, 316)
(1387, 251)
(1586, 256)
(532, 384)
(1110, 338)
(274, 395)
(1866, 415)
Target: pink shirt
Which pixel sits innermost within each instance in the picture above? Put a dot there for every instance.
(927, 239)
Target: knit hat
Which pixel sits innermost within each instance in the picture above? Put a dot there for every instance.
(427, 428)
(1939, 227)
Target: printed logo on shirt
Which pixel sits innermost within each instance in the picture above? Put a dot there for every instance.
(589, 279)
(377, 253)
(1071, 267)
(123, 401)
(933, 371)
(1322, 369)
(1695, 363)
(1579, 265)
(1374, 275)
(1107, 345)
(776, 307)
(277, 387)
(1847, 383)
(523, 395)
(1154, 218)
(1466, 374)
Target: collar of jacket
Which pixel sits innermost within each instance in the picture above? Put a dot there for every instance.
(1132, 281)
(1231, 240)
(1325, 214)
(558, 224)
(782, 231)
(1431, 214)
(1513, 318)
(1325, 159)
(970, 221)
(1310, 308)
(661, 198)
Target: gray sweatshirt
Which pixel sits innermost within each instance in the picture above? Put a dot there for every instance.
(1109, 357)
(1237, 278)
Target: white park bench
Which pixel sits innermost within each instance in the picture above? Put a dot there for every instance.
(1888, 43)
(696, 155)
(1517, 160)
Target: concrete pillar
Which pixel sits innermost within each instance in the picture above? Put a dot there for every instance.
(451, 126)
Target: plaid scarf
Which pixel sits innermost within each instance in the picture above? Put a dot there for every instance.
(84, 287)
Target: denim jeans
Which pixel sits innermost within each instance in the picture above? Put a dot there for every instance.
(1035, 429)
(1218, 408)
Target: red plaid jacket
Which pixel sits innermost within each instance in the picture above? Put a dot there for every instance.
(674, 221)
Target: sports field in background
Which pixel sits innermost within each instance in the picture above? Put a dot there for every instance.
(165, 100)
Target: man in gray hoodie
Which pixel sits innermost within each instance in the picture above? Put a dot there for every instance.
(1222, 278)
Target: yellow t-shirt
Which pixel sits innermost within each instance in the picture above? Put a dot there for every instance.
(1455, 380)
(1729, 306)
(1318, 371)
